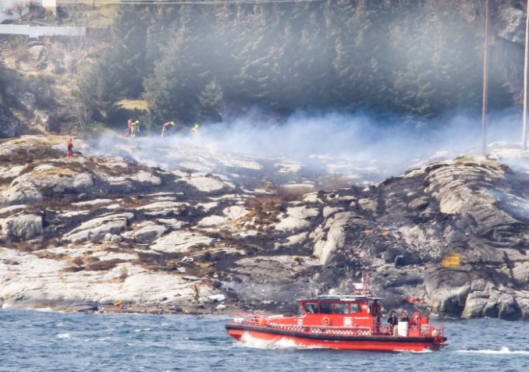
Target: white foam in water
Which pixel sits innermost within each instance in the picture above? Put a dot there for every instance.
(415, 351)
(63, 335)
(503, 350)
(249, 341)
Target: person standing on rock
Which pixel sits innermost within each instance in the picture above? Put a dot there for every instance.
(168, 124)
(69, 146)
(135, 129)
(129, 128)
(196, 293)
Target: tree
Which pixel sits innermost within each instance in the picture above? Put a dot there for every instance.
(121, 71)
(19, 8)
(416, 57)
(167, 90)
(210, 102)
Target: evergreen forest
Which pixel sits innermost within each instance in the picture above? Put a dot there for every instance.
(194, 63)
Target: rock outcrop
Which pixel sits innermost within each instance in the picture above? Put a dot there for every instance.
(100, 230)
(9, 125)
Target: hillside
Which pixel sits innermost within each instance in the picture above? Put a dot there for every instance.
(414, 58)
(81, 233)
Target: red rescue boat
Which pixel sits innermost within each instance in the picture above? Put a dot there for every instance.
(346, 322)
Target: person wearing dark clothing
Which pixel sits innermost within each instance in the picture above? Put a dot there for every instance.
(393, 320)
(404, 317)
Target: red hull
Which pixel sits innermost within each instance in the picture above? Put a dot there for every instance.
(367, 343)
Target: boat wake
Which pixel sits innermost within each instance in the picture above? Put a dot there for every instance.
(503, 351)
(281, 343)
(415, 351)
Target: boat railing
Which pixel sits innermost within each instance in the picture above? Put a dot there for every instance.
(416, 330)
(254, 318)
(428, 330)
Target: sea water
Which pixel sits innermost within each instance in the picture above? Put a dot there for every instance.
(48, 341)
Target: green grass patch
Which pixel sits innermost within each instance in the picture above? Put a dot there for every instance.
(129, 104)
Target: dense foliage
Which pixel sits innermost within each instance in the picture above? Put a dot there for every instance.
(192, 62)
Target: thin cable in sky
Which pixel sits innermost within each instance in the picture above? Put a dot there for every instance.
(185, 2)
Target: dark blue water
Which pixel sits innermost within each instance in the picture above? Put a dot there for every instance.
(39, 341)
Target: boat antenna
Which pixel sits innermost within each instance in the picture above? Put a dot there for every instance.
(363, 288)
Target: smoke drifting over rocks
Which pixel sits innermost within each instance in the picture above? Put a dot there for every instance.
(362, 147)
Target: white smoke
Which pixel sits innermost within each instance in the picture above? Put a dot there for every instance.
(335, 142)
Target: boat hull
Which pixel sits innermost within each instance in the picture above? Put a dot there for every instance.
(363, 343)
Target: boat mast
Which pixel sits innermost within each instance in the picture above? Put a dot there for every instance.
(485, 83)
(526, 58)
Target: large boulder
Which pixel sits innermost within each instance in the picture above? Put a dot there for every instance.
(24, 227)
(148, 234)
(298, 218)
(326, 244)
(205, 184)
(181, 241)
(493, 304)
(97, 228)
(447, 290)
(20, 193)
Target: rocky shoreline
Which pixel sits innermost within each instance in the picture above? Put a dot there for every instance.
(147, 232)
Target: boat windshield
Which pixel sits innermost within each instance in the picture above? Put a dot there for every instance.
(311, 308)
(331, 308)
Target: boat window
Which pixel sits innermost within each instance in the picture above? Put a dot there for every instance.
(341, 308)
(311, 308)
(325, 308)
(355, 308)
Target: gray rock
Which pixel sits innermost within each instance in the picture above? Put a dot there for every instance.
(13, 209)
(98, 228)
(83, 182)
(523, 302)
(9, 125)
(298, 218)
(180, 241)
(162, 208)
(508, 307)
(475, 305)
(36, 52)
(28, 101)
(207, 184)
(335, 238)
(112, 238)
(447, 290)
(25, 227)
(11, 172)
(521, 272)
(148, 234)
(20, 193)
(368, 205)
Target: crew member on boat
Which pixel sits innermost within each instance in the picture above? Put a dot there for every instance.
(393, 320)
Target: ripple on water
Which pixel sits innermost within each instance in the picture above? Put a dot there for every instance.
(183, 343)
(502, 351)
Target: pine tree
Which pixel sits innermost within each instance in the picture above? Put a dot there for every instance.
(211, 101)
